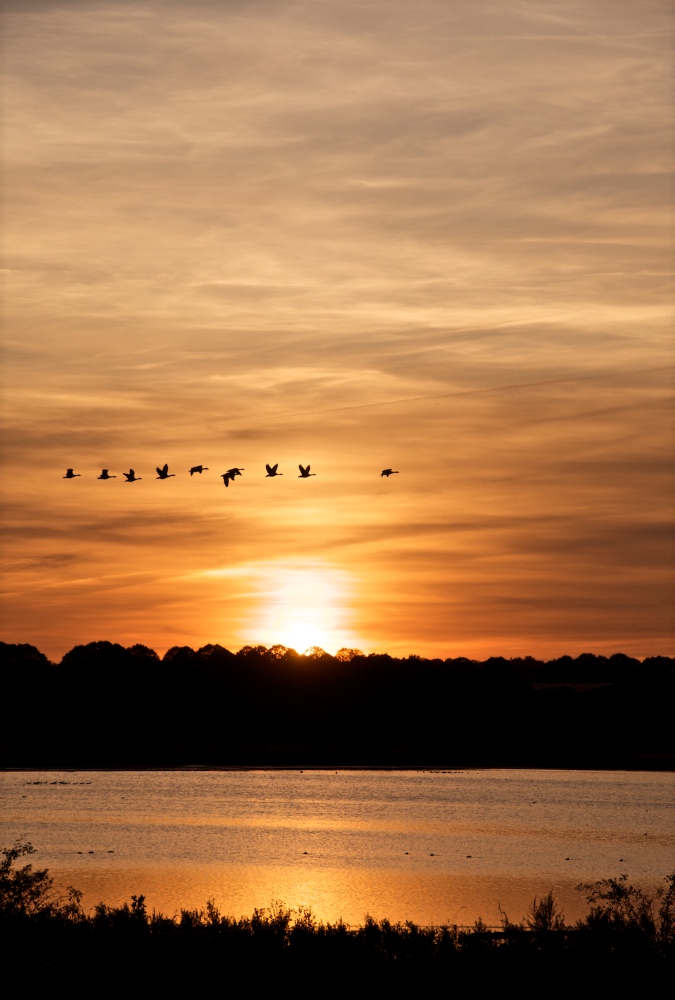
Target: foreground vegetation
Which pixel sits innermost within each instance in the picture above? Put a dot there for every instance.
(627, 932)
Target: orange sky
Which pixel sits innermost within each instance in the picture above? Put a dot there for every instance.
(430, 236)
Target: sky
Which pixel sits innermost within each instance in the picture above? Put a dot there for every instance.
(435, 237)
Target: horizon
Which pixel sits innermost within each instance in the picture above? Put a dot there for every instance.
(316, 652)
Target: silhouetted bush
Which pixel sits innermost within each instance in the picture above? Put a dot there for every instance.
(22, 890)
(628, 916)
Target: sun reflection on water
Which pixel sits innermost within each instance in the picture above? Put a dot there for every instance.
(332, 893)
(425, 846)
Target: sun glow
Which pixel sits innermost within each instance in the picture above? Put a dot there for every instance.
(303, 635)
(302, 607)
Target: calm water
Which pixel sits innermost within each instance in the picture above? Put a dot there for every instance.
(427, 846)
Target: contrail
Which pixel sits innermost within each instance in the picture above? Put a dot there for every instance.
(475, 392)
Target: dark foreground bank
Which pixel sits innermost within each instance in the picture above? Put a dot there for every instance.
(628, 935)
(106, 706)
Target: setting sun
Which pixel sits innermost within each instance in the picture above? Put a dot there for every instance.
(301, 607)
(303, 635)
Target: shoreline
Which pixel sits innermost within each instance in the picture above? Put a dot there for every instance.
(666, 767)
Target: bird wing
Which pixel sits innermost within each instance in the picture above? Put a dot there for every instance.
(274, 467)
(192, 471)
(303, 472)
(166, 468)
(269, 469)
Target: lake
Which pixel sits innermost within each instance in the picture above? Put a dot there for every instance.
(428, 846)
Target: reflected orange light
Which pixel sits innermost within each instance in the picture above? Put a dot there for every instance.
(425, 897)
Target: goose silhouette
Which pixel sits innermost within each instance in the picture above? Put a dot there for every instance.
(131, 476)
(389, 472)
(104, 475)
(272, 471)
(70, 474)
(228, 476)
(199, 469)
(164, 473)
(305, 473)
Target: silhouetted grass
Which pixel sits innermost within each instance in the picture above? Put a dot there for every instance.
(627, 932)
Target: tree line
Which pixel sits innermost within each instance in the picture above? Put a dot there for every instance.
(104, 705)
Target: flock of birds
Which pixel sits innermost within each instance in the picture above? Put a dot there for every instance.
(227, 477)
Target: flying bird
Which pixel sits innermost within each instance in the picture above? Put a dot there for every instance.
(131, 476)
(70, 474)
(228, 476)
(389, 472)
(199, 469)
(164, 473)
(305, 473)
(104, 475)
(272, 471)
